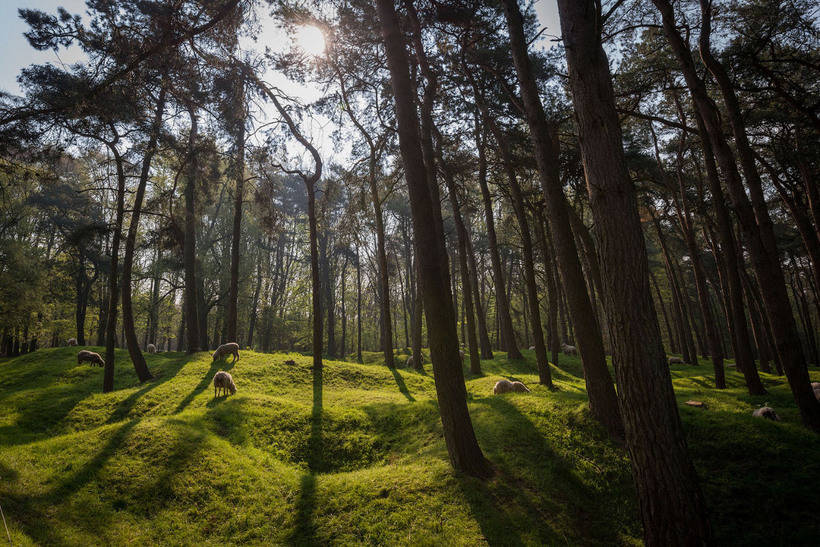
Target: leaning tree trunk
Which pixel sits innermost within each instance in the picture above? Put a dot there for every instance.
(140, 366)
(602, 399)
(671, 503)
(462, 446)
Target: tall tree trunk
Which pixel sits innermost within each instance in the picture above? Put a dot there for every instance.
(462, 446)
(190, 297)
(140, 366)
(113, 289)
(672, 506)
(543, 133)
(236, 234)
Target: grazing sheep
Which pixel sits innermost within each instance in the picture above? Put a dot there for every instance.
(569, 350)
(231, 348)
(766, 412)
(675, 361)
(93, 358)
(505, 386)
(223, 382)
(72, 341)
(519, 387)
(151, 348)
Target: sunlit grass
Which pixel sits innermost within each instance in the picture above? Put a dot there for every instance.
(355, 455)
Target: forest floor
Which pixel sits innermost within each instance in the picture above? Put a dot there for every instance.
(355, 455)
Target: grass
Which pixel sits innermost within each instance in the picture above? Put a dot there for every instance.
(354, 454)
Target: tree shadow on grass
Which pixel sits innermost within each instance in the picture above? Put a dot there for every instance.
(535, 489)
(207, 378)
(304, 532)
(34, 513)
(161, 376)
(402, 386)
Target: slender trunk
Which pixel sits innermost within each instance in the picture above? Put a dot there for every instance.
(113, 289)
(190, 296)
(671, 503)
(462, 446)
(236, 234)
(140, 366)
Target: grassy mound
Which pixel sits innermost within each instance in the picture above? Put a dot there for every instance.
(354, 454)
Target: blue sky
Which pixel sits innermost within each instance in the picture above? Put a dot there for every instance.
(16, 52)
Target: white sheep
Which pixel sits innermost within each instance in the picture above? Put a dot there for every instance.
(231, 348)
(151, 348)
(91, 357)
(675, 361)
(72, 341)
(766, 412)
(532, 348)
(223, 382)
(816, 387)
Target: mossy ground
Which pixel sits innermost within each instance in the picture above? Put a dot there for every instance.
(355, 455)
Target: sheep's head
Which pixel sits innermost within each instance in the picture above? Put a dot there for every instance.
(232, 387)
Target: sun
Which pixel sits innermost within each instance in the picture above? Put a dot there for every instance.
(310, 40)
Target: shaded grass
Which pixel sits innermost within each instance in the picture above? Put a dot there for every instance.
(353, 454)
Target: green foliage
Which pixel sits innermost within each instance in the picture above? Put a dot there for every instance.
(354, 454)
